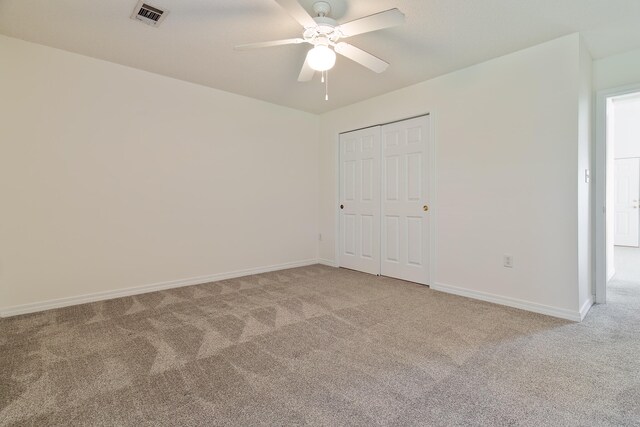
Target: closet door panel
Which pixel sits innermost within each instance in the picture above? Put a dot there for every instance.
(359, 244)
(405, 200)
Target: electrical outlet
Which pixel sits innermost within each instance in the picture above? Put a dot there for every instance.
(508, 261)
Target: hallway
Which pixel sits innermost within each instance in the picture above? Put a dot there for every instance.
(624, 287)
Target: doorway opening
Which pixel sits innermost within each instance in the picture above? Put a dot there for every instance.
(618, 198)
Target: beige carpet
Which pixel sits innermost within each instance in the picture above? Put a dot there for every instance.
(319, 346)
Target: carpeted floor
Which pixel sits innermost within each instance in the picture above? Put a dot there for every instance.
(319, 346)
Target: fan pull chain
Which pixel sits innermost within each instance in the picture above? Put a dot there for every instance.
(326, 86)
(322, 78)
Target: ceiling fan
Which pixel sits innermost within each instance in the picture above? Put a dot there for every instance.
(324, 33)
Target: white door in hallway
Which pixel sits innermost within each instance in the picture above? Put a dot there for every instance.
(627, 199)
(360, 200)
(405, 200)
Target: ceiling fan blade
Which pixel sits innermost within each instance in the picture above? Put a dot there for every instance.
(378, 21)
(307, 73)
(268, 44)
(361, 57)
(297, 12)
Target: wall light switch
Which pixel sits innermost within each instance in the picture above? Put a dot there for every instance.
(508, 261)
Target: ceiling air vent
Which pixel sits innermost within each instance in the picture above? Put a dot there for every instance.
(148, 14)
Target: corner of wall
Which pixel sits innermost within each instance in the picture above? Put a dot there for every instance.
(616, 70)
(586, 187)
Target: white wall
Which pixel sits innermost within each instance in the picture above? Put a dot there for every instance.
(506, 135)
(626, 124)
(111, 177)
(586, 148)
(617, 70)
(131, 178)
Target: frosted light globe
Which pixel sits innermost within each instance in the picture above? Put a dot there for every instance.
(321, 58)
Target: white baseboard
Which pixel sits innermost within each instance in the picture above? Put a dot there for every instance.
(328, 262)
(118, 293)
(562, 313)
(585, 308)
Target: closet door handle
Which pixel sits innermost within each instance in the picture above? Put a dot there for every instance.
(425, 208)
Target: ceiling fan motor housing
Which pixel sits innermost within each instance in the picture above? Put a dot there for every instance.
(326, 28)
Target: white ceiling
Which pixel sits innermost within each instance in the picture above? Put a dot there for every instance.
(195, 42)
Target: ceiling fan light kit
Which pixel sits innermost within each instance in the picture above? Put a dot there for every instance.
(321, 58)
(324, 33)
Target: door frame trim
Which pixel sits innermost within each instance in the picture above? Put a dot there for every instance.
(600, 169)
(433, 211)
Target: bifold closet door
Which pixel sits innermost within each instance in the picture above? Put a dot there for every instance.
(405, 200)
(360, 200)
